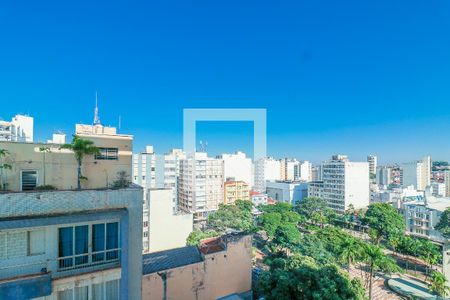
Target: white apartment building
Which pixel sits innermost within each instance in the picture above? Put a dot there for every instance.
(237, 166)
(289, 169)
(372, 160)
(304, 171)
(200, 187)
(258, 198)
(417, 173)
(447, 183)
(266, 169)
(166, 229)
(291, 192)
(316, 173)
(438, 189)
(384, 175)
(422, 216)
(396, 196)
(343, 183)
(19, 129)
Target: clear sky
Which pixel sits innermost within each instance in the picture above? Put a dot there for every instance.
(354, 77)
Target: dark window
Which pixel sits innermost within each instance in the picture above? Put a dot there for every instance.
(98, 241)
(107, 154)
(29, 180)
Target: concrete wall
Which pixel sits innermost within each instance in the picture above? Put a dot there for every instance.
(220, 274)
(60, 168)
(166, 229)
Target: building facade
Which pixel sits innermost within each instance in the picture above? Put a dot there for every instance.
(383, 176)
(19, 129)
(266, 169)
(200, 187)
(237, 166)
(166, 229)
(343, 183)
(417, 173)
(66, 243)
(235, 190)
(372, 160)
(291, 192)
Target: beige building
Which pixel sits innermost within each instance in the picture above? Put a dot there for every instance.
(166, 229)
(37, 164)
(70, 243)
(218, 268)
(235, 190)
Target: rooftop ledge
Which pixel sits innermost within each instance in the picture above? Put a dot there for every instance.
(43, 203)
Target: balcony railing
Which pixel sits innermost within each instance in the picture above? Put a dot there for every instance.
(86, 260)
(63, 266)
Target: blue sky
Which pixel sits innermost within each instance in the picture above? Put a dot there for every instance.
(354, 77)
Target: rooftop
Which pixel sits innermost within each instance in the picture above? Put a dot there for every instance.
(169, 259)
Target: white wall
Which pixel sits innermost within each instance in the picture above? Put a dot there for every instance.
(237, 166)
(357, 190)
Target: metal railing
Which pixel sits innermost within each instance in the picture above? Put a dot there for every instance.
(63, 266)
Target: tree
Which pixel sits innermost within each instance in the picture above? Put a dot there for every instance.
(351, 252)
(439, 284)
(444, 223)
(244, 205)
(81, 148)
(196, 236)
(429, 253)
(376, 260)
(122, 180)
(299, 277)
(314, 210)
(231, 217)
(270, 222)
(3, 167)
(287, 237)
(384, 221)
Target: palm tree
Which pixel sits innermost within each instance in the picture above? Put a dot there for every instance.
(438, 284)
(351, 252)
(429, 254)
(377, 260)
(80, 148)
(3, 167)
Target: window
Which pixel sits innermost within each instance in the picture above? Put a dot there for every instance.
(107, 154)
(36, 242)
(75, 250)
(29, 180)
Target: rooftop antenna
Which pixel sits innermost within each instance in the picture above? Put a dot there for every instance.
(96, 117)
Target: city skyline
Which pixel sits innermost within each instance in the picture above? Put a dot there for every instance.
(328, 86)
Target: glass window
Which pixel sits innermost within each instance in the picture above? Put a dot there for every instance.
(65, 246)
(98, 241)
(81, 293)
(81, 244)
(107, 154)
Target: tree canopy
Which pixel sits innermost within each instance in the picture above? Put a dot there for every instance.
(444, 223)
(384, 221)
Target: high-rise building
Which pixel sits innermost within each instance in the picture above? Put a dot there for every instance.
(372, 160)
(384, 175)
(200, 187)
(343, 183)
(316, 173)
(19, 129)
(235, 190)
(417, 173)
(305, 171)
(266, 169)
(289, 169)
(69, 243)
(237, 166)
(447, 183)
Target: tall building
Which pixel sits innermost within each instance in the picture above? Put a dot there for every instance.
(69, 243)
(372, 160)
(266, 169)
(304, 171)
(384, 175)
(19, 129)
(200, 187)
(235, 190)
(417, 173)
(343, 183)
(447, 183)
(237, 166)
(316, 173)
(161, 216)
(289, 169)
(144, 169)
